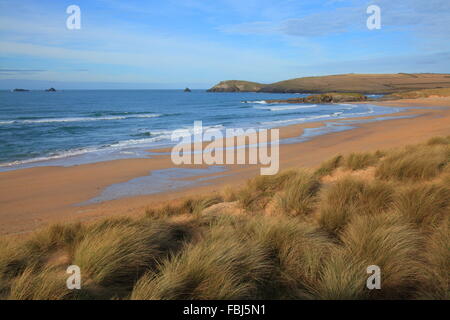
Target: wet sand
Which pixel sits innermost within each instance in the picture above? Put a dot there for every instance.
(31, 198)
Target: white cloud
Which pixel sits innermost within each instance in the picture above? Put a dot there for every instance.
(162, 56)
(427, 18)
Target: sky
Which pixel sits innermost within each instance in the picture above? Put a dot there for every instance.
(130, 44)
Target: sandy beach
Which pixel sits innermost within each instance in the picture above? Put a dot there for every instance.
(34, 197)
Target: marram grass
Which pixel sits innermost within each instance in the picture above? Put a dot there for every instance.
(295, 235)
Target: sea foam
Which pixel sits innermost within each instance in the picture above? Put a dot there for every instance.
(79, 119)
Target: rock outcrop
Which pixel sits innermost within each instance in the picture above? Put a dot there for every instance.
(324, 98)
(51, 90)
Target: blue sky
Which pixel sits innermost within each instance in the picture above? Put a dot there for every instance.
(196, 43)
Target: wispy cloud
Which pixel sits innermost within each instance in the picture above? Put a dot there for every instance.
(206, 41)
(428, 18)
(163, 56)
(22, 70)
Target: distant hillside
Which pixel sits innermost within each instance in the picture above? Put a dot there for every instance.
(358, 83)
(425, 93)
(237, 86)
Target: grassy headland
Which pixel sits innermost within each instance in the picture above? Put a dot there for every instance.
(300, 234)
(359, 83)
(237, 86)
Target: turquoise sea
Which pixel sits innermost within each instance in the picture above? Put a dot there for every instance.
(81, 126)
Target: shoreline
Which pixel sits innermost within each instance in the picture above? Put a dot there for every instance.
(120, 150)
(33, 197)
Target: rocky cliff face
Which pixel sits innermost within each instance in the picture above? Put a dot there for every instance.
(236, 86)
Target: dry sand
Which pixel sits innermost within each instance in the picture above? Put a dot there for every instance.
(31, 198)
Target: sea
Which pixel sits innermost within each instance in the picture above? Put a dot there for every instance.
(39, 128)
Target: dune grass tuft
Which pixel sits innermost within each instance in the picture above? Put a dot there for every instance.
(424, 205)
(37, 249)
(262, 258)
(230, 194)
(197, 205)
(414, 163)
(259, 191)
(299, 194)
(439, 140)
(14, 259)
(298, 251)
(328, 167)
(119, 255)
(56, 237)
(221, 266)
(358, 161)
(345, 274)
(436, 270)
(350, 196)
(45, 284)
(187, 206)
